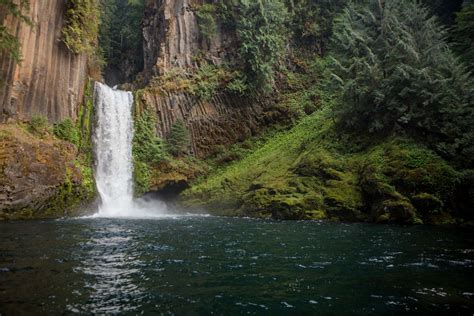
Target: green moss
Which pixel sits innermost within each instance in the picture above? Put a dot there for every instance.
(309, 167)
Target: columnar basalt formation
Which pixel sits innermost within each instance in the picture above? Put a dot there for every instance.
(223, 120)
(172, 39)
(50, 79)
(171, 36)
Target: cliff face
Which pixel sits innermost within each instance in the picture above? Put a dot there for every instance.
(50, 79)
(221, 121)
(171, 36)
(172, 39)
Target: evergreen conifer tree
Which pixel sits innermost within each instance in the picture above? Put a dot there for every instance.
(178, 138)
(395, 72)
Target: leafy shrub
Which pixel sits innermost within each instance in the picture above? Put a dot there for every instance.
(38, 125)
(66, 130)
(238, 84)
(142, 176)
(207, 80)
(261, 32)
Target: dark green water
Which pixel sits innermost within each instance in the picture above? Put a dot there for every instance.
(205, 265)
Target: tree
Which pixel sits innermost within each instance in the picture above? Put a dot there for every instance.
(120, 36)
(8, 42)
(261, 31)
(81, 26)
(394, 71)
(463, 33)
(312, 20)
(147, 147)
(178, 138)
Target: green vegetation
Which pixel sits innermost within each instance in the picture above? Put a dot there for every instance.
(383, 123)
(206, 18)
(204, 82)
(68, 131)
(8, 42)
(147, 146)
(39, 125)
(394, 71)
(261, 32)
(463, 34)
(311, 21)
(148, 150)
(178, 139)
(81, 26)
(120, 36)
(310, 173)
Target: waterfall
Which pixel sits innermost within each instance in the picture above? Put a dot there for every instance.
(113, 153)
(113, 150)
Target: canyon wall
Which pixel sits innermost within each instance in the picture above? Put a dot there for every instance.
(223, 120)
(171, 36)
(172, 39)
(50, 79)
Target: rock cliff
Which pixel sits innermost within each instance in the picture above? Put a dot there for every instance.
(171, 36)
(50, 79)
(223, 120)
(172, 39)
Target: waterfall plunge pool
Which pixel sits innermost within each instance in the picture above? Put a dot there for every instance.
(203, 265)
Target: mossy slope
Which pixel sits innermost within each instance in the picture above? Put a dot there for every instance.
(311, 172)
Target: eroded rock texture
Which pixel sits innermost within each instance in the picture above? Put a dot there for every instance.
(50, 79)
(171, 36)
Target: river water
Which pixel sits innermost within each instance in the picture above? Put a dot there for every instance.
(203, 265)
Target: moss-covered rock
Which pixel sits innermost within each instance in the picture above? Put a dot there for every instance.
(311, 172)
(41, 177)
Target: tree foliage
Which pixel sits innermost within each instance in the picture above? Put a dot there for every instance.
(261, 31)
(147, 147)
(463, 34)
(120, 36)
(312, 20)
(394, 71)
(8, 42)
(205, 14)
(178, 138)
(81, 26)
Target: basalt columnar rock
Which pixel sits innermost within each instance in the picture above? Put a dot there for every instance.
(171, 36)
(172, 39)
(223, 120)
(50, 79)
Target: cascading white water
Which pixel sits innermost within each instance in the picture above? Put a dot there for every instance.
(114, 163)
(113, 149)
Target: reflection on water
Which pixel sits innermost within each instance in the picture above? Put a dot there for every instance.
(110, 267)
(200, 265)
